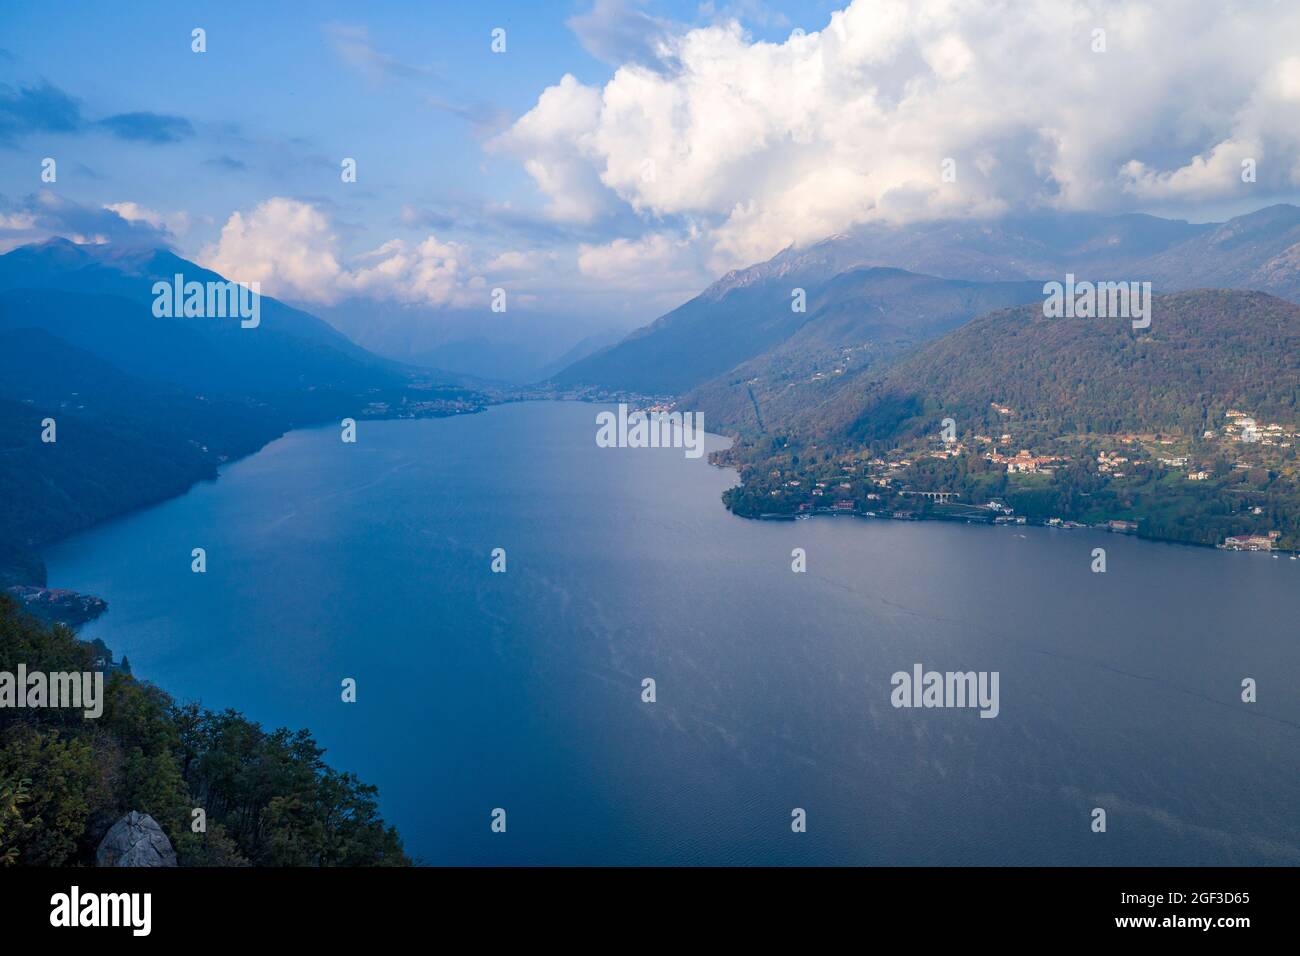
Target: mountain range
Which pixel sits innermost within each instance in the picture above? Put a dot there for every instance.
(742, 329)
(859, 340)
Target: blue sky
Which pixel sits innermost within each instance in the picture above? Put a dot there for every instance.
(410, 90)
(276, 101)
(620, 154)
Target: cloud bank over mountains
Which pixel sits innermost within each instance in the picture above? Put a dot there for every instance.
(759, 144)
(291, 248)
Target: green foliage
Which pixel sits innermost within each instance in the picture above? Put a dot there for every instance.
(269, 797)
(64, 787)
(13, 793)
(1204, 353)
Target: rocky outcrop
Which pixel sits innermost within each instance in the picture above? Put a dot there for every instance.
(135, 840)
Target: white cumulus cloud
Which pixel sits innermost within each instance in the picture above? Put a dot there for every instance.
(176, 223)
(1084, 105)
(290, 247)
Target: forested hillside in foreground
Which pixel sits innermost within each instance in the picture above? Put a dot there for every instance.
(269, 797)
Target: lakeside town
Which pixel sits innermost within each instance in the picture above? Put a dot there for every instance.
(1242, 474)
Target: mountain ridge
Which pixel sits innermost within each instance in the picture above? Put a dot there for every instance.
(1260, 250)
(145, 406)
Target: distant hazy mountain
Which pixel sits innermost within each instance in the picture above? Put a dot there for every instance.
(741, 317)
(862, 316)
(1257, 251)
(747, 312)
(102, 300)
(516, 346)
(145, 406)
(587, 346)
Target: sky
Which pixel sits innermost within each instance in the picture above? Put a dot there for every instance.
(617, 156)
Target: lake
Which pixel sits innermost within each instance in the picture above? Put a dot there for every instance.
(523, 690)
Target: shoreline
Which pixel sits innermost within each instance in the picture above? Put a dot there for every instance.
(966, 519)
(518, 398)
(522, 397)
(39, 551)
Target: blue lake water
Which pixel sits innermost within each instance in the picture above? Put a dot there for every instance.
(522, 690)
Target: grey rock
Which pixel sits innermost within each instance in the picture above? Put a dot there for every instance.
(135, 840)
